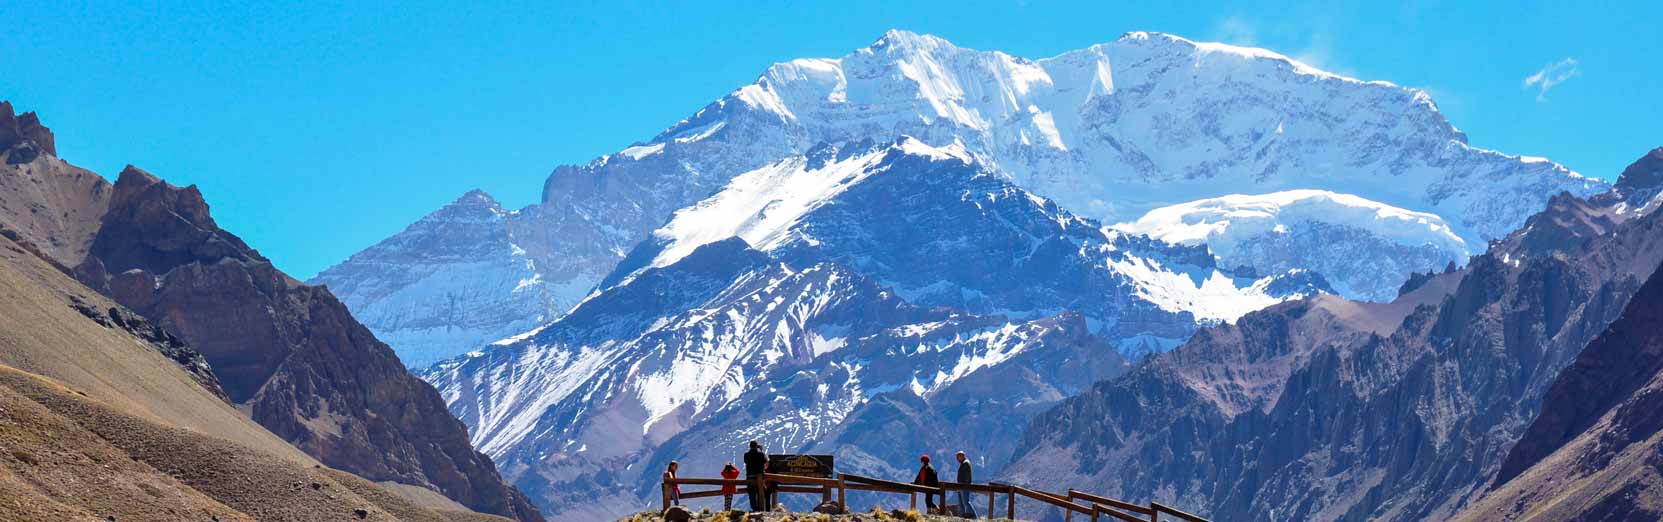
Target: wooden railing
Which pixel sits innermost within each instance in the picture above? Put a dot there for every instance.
(1095, 508)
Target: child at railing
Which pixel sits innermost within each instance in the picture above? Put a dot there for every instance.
(729, 472)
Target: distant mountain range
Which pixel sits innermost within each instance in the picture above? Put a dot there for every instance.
(1110, 132)
(918, 247)
(1158, 269)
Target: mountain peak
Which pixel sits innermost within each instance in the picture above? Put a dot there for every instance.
(24, 130)
(900, 39)
(1645, 174)
(476, 198)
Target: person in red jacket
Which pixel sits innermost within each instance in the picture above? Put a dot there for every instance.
(729, 472)
(675, 490)
(927, 478)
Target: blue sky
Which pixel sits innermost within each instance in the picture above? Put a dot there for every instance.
(318, 129)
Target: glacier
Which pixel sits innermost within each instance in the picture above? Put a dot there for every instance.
(1366, 249)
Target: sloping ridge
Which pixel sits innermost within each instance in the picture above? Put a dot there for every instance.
(289, 354)
(1596, 450)
(100, 421)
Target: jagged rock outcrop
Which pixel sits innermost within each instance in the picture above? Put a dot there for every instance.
(1642, 181)
(23, 135)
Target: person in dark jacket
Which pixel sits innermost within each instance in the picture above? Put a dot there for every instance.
(756, 462)
(964, 478)
(927, 478)
(729, 472)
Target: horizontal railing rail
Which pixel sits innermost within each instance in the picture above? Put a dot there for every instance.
(1096, 506)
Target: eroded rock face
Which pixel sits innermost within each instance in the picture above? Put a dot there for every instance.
(1330, 410)
(1593, 452)
(290, 353)
(24, 132)
(1643, 179)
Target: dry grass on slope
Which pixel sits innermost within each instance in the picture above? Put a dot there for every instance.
(41, 333)
(53, 469)
(96, 423)
(399, 503)
(84, 458)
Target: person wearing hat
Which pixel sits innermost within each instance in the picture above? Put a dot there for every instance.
(756, 463)
(928, 479)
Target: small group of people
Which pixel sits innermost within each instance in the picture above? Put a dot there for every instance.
(756, 463)
(927, 477)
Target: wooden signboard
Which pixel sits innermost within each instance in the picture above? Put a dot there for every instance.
(801, 465)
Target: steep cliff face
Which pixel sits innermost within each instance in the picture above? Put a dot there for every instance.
(289, 354)
(1596, 450)
(1331, 410)
(1593, 452)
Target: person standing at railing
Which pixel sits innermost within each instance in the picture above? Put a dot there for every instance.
(675, 489)
(756, 463)
(964, 478)
(729, 472)
(927, 478)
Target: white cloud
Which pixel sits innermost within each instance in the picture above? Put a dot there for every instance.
(1551, 75)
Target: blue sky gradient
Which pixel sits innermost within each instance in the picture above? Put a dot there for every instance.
(317, 129)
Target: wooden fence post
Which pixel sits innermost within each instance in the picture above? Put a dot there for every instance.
(1010, 503)
(842, 490)
(915, 501)
(664, 487)
(990, 494)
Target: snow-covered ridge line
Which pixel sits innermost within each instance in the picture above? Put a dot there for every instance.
(760, 206)
(1222, 221)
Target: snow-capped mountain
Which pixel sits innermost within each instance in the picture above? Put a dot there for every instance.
(453, 279)
(824, 291)
(1111, 132)
(1365, 248)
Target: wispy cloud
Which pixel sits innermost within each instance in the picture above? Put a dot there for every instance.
(1236, 30)
(1308, 42)
(1551, 75)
